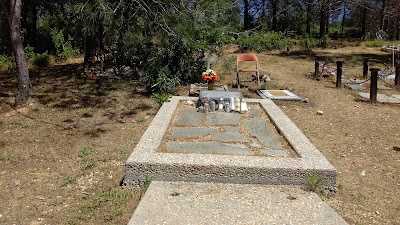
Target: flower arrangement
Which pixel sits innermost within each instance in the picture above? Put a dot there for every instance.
(209, 76)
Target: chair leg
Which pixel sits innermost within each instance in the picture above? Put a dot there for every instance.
(258, 79)
(238, 80)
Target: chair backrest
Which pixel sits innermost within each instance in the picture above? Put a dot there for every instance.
(246, 57)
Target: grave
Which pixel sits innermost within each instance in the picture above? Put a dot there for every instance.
(262, 146)
(278, 95)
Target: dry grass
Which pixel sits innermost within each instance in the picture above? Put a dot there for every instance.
(354, 136)
(62, 156)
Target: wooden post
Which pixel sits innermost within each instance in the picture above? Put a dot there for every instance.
(316, 73)
(365, 68)
(397, 77)
(373, 90)
(339, 65)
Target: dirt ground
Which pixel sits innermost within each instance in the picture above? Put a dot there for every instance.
(62, 155)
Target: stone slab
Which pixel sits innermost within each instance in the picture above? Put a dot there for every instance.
(228, 136)
(209, 148)
(357, 87)
(257, 128)
(189, 116)
(179, 203)
(253, 112)
(147, 161)
(232, 129)
(192, 132)
(278, 95)
(222, 118)
(216, 95)
(396, 96)
(384, 88)
(279, 153)
(380, 97)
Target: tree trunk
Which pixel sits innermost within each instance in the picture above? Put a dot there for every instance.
(343, 19)
(382, 13)
(364, 22)
(322, 20)
(246, 16)
(398, 28)
(14, 19)
(274, 9)
(308, 22)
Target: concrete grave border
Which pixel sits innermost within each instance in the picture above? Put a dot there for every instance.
(145, 162)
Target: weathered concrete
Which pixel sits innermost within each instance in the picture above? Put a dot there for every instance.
(357, 87)
(279, 153)
(265, 134)
(192, 132)
(209, 148)
(380, 98)
(179, 203)
(147, 161)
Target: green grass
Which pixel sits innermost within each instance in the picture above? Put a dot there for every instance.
(375, 43)
(116, 197)
(86, 150)
(68, 180)
(313, 181)
(5, 157)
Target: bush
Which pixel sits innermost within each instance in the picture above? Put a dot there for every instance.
(375, 43)
(261, 41)
(63, 48)
(6, 61)
(308, 42)
(40, 60)
(352, 32)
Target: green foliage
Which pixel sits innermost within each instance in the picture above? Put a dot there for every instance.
(308, 42)
(352, 32)
(375, 43)
(323, 42)
(63, 48)
(262, 41)
(68, 180)
(85, 151)
(116, 197)
(313, 181)
(5, 157)
(40, 59)
(6, 62)
(146, 184)
(161, 98)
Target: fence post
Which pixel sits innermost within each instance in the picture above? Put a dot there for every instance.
(339, 65)
(373, 90)
(365, 68)
(316, 72)
(397, 77)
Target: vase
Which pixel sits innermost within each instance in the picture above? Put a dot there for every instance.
(210, 85)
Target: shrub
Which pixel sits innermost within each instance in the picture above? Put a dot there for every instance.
(308, 42)
(6, 61)
(63, 48)
(261, 41)
(41, 59)
(375, 43)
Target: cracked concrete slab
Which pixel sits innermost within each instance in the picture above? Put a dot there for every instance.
(180, 203)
